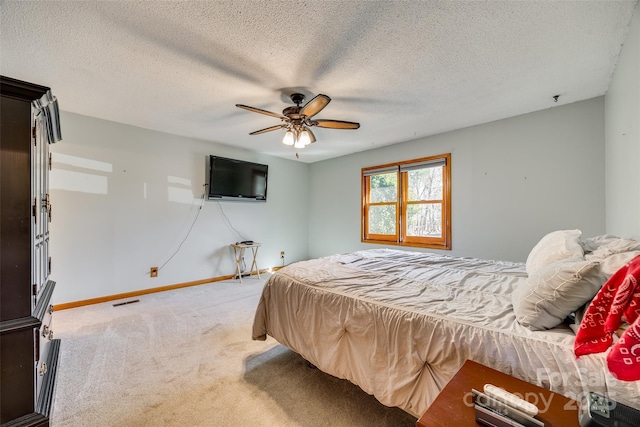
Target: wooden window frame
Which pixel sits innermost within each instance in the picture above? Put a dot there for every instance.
(402, 203)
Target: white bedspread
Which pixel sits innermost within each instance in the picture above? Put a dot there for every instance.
(399, 325)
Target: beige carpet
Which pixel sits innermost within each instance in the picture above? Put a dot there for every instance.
(186, 358)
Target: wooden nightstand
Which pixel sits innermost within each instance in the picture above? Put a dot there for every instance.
(453, 408)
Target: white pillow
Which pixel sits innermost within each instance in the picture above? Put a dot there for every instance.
(553, 247)
(555, 291)
(616, 246)
(613, 253)
(592, 243)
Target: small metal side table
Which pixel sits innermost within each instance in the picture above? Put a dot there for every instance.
(238, 253)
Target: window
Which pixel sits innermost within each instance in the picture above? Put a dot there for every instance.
(408, 203)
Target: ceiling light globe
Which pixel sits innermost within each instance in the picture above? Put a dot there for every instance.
(288, 138)
(305, 139)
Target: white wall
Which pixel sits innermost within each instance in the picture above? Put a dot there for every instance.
(513, 181)
(125, 197)
(622, 118)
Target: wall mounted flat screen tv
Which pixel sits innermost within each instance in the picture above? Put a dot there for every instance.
(236, 179)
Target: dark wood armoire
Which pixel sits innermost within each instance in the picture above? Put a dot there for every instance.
(28, 353)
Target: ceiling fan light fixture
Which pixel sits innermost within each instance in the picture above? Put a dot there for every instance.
(299, 143)
(305, 138)
(288, 139)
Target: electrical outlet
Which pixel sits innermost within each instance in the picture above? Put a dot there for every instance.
(281, 254)
(153, 272)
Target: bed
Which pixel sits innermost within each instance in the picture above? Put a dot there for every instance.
(399, 324)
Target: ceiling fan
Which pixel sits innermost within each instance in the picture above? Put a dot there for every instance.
(298, 120)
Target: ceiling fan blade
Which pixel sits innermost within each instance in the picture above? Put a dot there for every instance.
(316, 105)
(258, 110)
(269, 129)
(336, 124)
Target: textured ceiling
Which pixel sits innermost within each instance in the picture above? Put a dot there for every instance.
(403, 69)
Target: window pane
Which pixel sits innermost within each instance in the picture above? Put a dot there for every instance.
(382, 219)
(424, 220)
(425, 184)
(384, 187)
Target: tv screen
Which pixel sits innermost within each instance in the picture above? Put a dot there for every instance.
(236, 179)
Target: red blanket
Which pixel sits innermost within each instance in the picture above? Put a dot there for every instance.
(619, 297)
